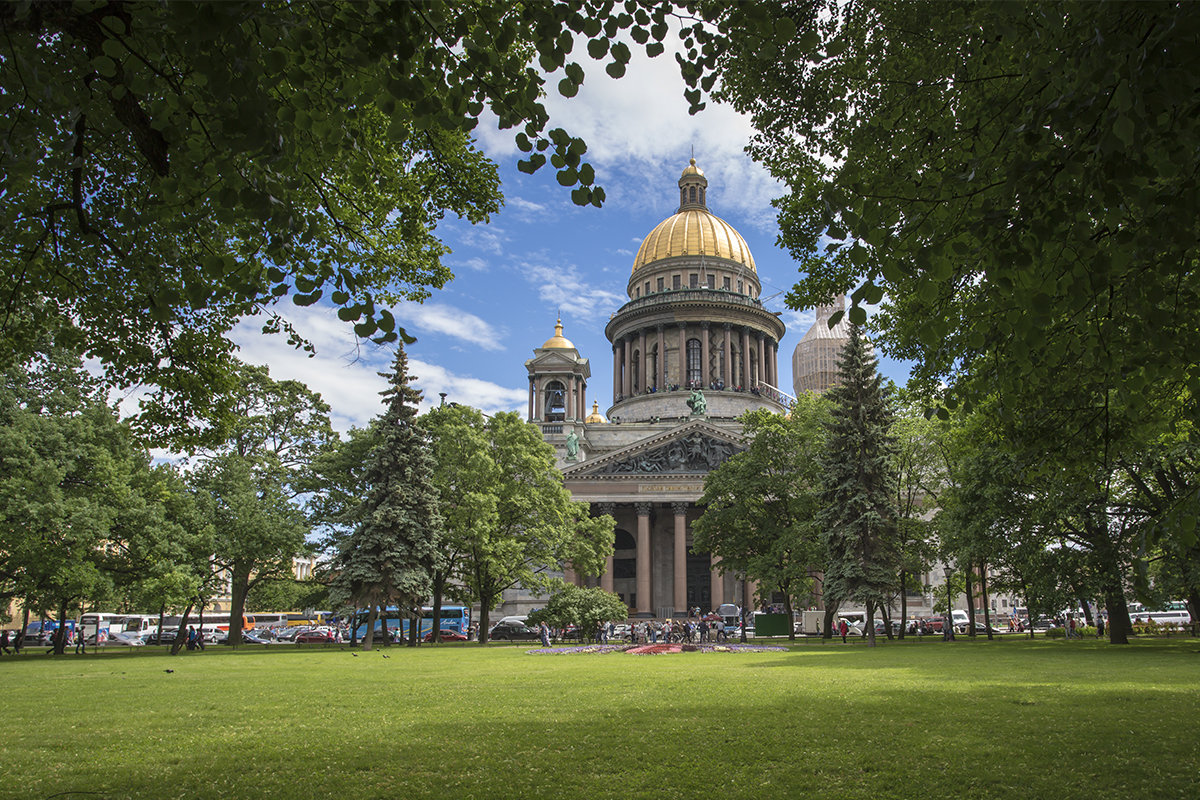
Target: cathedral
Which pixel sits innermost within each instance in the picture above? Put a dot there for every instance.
(692, 349)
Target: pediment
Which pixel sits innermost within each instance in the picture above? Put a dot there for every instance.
(554, 360)
(694, 448)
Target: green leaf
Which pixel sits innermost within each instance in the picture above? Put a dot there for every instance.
(858, 315)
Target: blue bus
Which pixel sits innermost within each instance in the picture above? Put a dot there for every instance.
(453, 618)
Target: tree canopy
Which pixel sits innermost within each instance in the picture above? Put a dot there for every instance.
(173, 167)
(1015, 181)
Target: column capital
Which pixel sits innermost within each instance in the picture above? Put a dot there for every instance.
(659, 327)
(727, 325)
(642, 509)
(681, 325)
(680, 508)
(706, 324)
(606, 508)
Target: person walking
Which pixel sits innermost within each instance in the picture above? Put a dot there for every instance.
(81, 643)
(843, 629)
(1099, 625)
(545, 632)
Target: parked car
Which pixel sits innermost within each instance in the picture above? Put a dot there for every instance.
(315, 637)
(125, 638)
(447, 636)
(153, 637)
(514, 631)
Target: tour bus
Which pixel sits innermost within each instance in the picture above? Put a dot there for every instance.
(453, 618)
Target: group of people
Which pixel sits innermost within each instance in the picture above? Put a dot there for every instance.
(673, 630)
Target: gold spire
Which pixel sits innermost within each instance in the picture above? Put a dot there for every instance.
(558, 341)
(594, 417)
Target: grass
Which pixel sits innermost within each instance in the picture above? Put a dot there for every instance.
(1004, 719)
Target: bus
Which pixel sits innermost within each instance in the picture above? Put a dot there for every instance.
(453, 618)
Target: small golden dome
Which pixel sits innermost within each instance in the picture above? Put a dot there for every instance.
(594, 417)
(692, 169)
(694, 232)
(558, 341)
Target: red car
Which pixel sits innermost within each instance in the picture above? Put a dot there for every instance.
(447, 636)
(315, 637)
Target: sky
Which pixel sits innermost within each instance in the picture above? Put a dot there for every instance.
(542, 256)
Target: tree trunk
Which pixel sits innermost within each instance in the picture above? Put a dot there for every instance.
(1193, 604)
(439, 586)
(200, 623)
(983, 589)
(354, 628)
(181, 634)
(20, 642)
(484, 618)
(887, 621)
(830, 611)
(414, 628)
(369, 636)
(1119, 626)
(162, 610)
(903, 603)
(1087, 612)
(870, 624)
(60, 641)
(237, 603)
(787, 606)
(969, 574)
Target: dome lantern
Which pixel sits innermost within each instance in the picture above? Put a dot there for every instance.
(558, 341)
(693, 187)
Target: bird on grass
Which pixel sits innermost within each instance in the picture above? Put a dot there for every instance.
(354, 654)
(385, 655)
(168, 670)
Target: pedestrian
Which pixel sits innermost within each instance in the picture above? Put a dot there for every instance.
(843, 629)
(80, 643)
(191, 638)
(1071, 630)
(545, 632)
(1099, 626)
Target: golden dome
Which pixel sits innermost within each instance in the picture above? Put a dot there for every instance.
(594, 417)
(692, 169)
(694, 232)
(558, 341)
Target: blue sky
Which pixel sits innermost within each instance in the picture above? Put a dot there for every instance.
(542, 255)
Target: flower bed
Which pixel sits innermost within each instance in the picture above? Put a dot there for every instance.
(657, 649)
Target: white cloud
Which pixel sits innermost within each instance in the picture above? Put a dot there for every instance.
(477, 264)
(345, 370)
(640, 136)
(525, 208)
(490, 239)
(563, 288)
(489, 397)
(445, 319)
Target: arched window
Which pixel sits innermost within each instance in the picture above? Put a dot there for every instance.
(694, 374)
(692, 194)
(556, 402)
(682, 195)
(701, 195)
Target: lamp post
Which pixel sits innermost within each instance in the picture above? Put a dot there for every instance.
(948, 619)
(743, 639)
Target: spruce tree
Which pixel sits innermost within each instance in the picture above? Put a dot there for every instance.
(858, 513)
(389, 557)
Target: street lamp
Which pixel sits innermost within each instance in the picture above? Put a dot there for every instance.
(948, 619)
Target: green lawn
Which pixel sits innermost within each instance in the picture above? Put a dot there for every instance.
(1011, 719)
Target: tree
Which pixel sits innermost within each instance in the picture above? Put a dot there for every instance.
(189, 164)
(1017, 180)
(74, 488)
(858, 491)
(257, 529)
(584, 607)
(920, 478)
(256, 462)
(388, 559)
(534, 528)
(761, 505)
(465, 478)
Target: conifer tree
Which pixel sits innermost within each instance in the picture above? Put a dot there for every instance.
(388, 558)
(859, 516)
